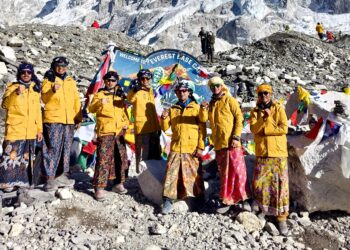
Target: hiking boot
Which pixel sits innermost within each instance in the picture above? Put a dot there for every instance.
(246, 206)
(64, 181)
(119, 189)
(167, 206)
(100, 194)
(222, 208)
(283, 228)
(51, 185)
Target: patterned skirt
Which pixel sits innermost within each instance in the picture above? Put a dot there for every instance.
(111, 162)
(57, 144)
(183, 177)
(233, 176)
(270, 185)
(16, 163)
(147, 147)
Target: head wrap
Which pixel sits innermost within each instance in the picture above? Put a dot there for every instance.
(218, 80)
(184, 84)
(24, 66)
(264, 88)
(59, 61)
(110, 74)
(144, 73)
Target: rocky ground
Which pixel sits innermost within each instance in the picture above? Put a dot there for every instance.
(72, 219)
(77, 221)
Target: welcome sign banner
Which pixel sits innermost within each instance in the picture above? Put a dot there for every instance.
(166, 65)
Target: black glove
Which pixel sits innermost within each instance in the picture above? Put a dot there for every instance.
(120, 93)
(50, 75)
(135, 85)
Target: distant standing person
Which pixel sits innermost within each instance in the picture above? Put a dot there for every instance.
(270, 182)
(21, 101)
(210, 46)
(203, 36)
(319, 29)
(146, 125)
(61, 112)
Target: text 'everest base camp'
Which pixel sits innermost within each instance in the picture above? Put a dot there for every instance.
(175, 124)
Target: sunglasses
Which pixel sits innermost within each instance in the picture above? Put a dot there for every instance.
(213, 86)
(181, 90)
(111, 80)
(145, 78)
(265, 93)
(26, 72)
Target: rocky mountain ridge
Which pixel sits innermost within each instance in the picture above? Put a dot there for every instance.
(176, 23)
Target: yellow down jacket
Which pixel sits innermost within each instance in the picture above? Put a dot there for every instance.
(111, 116)
(23, 116)
(62, 106)
(226, 120)
(144, 110)
(188, 132)
(270, 134)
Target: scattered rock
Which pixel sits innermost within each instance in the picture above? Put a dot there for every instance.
(15, 42)
(64, 194)
(16, 230)
(250, 221)
(271, 228)
(158, 229)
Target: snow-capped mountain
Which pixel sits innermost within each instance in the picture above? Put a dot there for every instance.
(176, 23)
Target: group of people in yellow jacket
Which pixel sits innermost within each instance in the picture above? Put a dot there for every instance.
(268, 123)
(187, 120)
(26, 125)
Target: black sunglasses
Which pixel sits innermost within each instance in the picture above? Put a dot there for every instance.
(265, 93)
(111, 80)
(145, 78)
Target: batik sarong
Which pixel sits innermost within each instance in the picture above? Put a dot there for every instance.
(111, 161)
(57, 144)
(270, 185)
(120, 159)
(16, 163)
(233, 176)
(147, 147)
(183, 177)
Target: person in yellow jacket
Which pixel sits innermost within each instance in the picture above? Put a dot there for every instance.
(61, 112)
(183, 174)
(270, 182)
(23, 125)
(226, 122)
(319, 30)
(112, 122)
(146, 124)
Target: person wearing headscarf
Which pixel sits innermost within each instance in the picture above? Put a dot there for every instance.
(270, 182)
(61, 112)
(112, 122)
(183, 173)
(226, 123)
(23, 126)
(146, 125)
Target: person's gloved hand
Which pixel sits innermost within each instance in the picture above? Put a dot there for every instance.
(120, 93)
(50, 75)
(135, 85)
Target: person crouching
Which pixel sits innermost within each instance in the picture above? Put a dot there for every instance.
(112, 123)
(183, 178)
